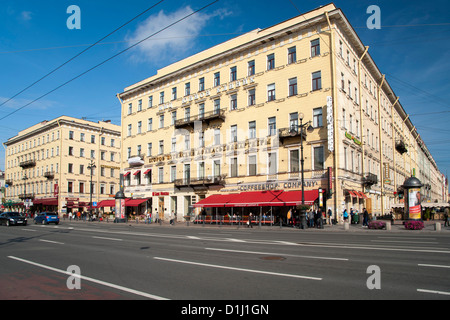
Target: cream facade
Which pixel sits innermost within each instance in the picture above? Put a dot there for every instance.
(49, 164)
(227, 119)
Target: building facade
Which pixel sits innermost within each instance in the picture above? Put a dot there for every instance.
(233, 119)
(50, 165)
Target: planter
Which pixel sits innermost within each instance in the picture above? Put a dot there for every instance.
(414, 225)
(376, 224)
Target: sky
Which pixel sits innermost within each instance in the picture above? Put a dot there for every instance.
(411, 47)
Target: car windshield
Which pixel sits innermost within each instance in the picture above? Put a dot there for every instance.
(50, 214)
(15, 214)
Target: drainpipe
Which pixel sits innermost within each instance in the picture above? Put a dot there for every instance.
(381, 145)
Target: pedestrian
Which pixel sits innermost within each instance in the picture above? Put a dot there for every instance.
(345, 215)
(310, 218)
(171, 218)
(365, 218)
(249, 222)
(329, 213)
(446, 218)
(352, 213)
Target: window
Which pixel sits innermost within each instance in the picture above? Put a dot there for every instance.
(233, 74)
(319, 158)
(233, 167)
(201, 84)
(150, 101)
(270, 61)
(129, 130)
(293, 121)
(272, 158)
(216, 79)
(216, 136)
(252, 165)
(317, 80)
(161, 97)
(187, 142)
(292, 55)
(251, 97)
(201, 170)
(252, 129)
(82, 137)
(161, 147)
(70, 168)
(216, 106)
(201, 110)
(233, 102)
(139, 127)
(292, 87)
(315, 47)
(187, 113)
(174, 144)
(294, 160)
(233, 136)
(130, 108)
(69, 187)
(161, 121)
(70, 151)
(173, 173)
(174, 93)
(272, 126)
(342, 82)
(317, 117)
(70, 135)
(160, 175)
(187, 88)
(271, 92)
(174, 117)
(149, 149)
(139, 105)
(82, 152)
(201, 139)
(150, 124)
(251, 67)
(216, 168)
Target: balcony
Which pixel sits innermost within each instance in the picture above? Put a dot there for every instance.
(27, 164)
(200, 182)
(204, 117)
(24, 196)
(290, 132)
(49, 175)
(370, 179)
(400, 147)
(9, 182)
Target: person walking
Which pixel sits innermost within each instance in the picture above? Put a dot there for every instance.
(365, 218)
(345, 215)
(249, 222)
(329, 214)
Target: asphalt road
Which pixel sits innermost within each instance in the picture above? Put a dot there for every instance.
(130, 261)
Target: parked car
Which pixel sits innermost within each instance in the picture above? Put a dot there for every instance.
(46, 218)
(13, 219)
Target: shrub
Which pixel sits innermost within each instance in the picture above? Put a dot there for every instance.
(377, 224)
(414, 225)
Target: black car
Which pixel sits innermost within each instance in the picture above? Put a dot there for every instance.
(13, 219)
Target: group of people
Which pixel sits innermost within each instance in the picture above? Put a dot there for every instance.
(352, 215)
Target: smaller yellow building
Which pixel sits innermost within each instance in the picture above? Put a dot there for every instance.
(50, 165)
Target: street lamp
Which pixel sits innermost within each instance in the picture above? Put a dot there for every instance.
(302, 160)
(91, 167)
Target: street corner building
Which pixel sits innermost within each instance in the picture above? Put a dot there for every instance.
(240, 127)
(50, 166)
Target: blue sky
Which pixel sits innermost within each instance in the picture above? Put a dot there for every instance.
(412, 49)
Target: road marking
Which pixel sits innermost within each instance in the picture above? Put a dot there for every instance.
(433, 265)
(282, 254)
(49, 241)
(239, 269)
(114, 239)
(406, 241)
(434, 291)
(103, 283)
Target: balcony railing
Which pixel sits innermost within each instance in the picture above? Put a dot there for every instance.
(290, 132)
(24, 196)
(370, 179)
(198, 182)
(137, 160)
(206, 116)
(27, 164)
(49, 174)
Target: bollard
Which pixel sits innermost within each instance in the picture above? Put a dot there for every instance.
(437, 226)
(346, 225)
(388, 225)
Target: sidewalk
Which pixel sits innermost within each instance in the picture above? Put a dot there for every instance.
(430, 226)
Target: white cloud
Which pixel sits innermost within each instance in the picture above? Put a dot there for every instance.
(26, 15)
(173, 42)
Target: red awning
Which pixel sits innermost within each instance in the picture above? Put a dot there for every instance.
(136, 173)
(126, 173)
(363, 195)
(134, 202)
(147, 171)
(259, 199)
(293, 198)
(46, 201)
(106, 203)
(254, 199)
(352, 193)
(215, 200)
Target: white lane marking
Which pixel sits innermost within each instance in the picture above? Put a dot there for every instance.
(433, 265)
(105, 238)
(239, 269)
(103, 283)
(434, 291)
(49, 241)
(277, 254)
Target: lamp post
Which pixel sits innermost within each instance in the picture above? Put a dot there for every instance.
(91, 167)
(302, 160)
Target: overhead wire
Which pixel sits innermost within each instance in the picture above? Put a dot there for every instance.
(110, 58)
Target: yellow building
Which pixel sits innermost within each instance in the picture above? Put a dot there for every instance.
(48, 166)
(227, 121)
